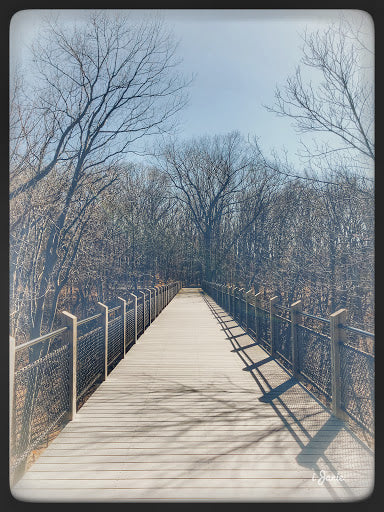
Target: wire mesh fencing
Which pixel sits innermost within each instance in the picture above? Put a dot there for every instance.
(308, 348)
(152, 309)
(242, 310)
(314, 358)
(147, 311)
(130, 326)
(52, 376)
(357, 372)
(283, 344)
(264, 326)
(115, 336)
(40, 398)
(90, 354)
(140, 316)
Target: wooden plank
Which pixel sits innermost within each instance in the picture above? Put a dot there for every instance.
(193, 465)
(238, 494)
(177, 483)
(181, 474)
(180, 419)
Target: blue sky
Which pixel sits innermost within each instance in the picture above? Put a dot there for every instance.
(238, 57)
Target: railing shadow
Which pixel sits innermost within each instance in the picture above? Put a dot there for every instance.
(253, 366)
(278, 390)
(221, 410)
(325, 434)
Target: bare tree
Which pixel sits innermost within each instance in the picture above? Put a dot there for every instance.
(211, 177)
(99, 87)
(337, 96)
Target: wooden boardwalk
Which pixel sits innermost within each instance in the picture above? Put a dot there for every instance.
(197, 412)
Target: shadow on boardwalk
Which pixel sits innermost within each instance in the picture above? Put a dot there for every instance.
(290, 409)
(193, 413)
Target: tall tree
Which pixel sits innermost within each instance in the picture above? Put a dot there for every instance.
(332, 91)
(211, 177)
(98, 88)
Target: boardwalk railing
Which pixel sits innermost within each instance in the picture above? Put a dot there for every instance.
(51, 376)
(337, 359)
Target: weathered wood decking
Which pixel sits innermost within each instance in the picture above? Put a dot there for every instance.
(198, 411)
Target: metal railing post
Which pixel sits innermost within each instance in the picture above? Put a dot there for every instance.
(104, 322)
(71, 322)
(124, 315)
(135, 313)
(295, 311)
(257, 315)
(272, 323)
(337, 337)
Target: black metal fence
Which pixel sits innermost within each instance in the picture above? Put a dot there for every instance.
(337, 359)
(51, 376)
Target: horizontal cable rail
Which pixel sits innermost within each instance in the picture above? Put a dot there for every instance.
(44, 337)
(357, 331)
(111, 310)
(283, 308)
(325, 320)
(331, 355)
(86, 320)
(52, 376)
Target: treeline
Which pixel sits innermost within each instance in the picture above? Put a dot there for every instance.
(87, 224)
(215, 213)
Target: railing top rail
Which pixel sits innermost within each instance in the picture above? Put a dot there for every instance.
(308, 315)
(325, 320)
(111, 310)
(85, 320)
(283, 308)
(357, 331)
(41, 338)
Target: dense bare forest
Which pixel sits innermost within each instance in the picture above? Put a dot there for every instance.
(89, 223)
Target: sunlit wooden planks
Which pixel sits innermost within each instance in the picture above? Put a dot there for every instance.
(188, 415)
